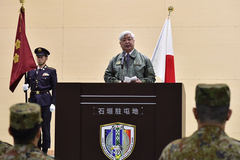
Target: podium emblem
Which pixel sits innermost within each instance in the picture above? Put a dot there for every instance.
(117, 140)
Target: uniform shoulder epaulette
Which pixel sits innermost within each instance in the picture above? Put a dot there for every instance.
(33, 70)
(51, 68)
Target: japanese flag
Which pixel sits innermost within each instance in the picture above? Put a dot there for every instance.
(163, 56)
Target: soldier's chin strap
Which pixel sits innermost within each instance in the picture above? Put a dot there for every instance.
(41, 66)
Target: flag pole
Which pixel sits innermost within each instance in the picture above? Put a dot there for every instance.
(25, 75)
(26, 95)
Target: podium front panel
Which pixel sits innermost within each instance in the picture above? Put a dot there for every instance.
(82, 108)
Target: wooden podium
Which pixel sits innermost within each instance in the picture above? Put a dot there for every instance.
(83, 108)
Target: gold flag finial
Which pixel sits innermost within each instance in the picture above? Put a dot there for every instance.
(22, 8)
(170, 9)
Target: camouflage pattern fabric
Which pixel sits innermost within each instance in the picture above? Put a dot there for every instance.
(25, 116)
(207, 143)
(4, 147)
(24, 152)
(212, 95)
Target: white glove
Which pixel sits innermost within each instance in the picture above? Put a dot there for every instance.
(25, 87)
(52, 107)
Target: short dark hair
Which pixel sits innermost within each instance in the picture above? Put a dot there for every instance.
(25, 136)
(213, 114)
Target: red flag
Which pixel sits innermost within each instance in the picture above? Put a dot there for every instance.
(22, 58)
(163, 56)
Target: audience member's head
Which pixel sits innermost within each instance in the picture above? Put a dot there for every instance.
(25, 122)
(212, 103)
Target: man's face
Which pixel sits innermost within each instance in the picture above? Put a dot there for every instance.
(41, 60)
(127, 43)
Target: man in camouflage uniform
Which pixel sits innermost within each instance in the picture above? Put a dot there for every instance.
(4, 147)
(130, 65)
(209, 142)
(25, 122)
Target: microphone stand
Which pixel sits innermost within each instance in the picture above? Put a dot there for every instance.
(122, 64)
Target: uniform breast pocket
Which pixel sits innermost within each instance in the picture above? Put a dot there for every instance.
(45, 77)
(139, 70)
(116, 69)
(45, 80)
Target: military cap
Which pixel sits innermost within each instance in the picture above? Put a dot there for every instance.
(25, 116)
(41, 51)
(212, 95)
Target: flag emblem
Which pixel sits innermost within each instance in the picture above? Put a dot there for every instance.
(17, 44)
(117, 140)
(16, 58)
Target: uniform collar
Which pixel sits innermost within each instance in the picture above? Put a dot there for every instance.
(209, 132)
(43, 68)
(24, 146)
(132, 54)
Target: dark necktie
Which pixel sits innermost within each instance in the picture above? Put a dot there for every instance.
(39, 70)
(128, 58)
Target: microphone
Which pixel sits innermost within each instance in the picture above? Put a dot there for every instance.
(122, 60)
(122, 63)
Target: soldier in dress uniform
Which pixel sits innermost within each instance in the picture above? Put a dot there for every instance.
(209, 142)
(25, 124)
(42, 80)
